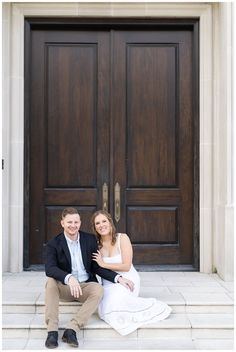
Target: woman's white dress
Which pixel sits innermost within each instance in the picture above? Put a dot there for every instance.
(124, 310)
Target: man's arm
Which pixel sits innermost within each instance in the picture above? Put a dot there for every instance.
(114, 277)
(104, 273)
(109, 274)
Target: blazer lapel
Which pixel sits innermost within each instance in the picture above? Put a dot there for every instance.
(65, 248)
(83, 250)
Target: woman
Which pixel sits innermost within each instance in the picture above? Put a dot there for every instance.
(120, 307)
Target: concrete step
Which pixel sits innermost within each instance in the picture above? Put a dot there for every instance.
(185, 325)
(185, 292)
(127, 344)
(124, 344)
(202, 314)
(199, 304)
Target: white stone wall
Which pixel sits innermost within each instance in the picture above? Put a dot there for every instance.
(223, 229)
(216, 210)
(5, 133)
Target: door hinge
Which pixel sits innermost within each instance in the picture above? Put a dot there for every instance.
(2, 164)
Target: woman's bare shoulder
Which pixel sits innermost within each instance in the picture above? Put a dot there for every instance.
(124, 236)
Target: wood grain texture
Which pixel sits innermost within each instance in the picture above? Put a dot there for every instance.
(115, 104)
(153, 163)
(69, 145)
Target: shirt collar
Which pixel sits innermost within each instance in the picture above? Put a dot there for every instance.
(69, 240)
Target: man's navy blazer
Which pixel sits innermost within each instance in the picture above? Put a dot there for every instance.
(58, 259)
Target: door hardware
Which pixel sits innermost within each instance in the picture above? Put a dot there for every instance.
(117, 202)
(105, 197)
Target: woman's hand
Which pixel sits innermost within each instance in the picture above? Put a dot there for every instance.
(97, 257)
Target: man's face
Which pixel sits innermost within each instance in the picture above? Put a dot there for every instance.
(71, 224)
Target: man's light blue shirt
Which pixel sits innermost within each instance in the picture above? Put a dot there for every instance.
(78, 269)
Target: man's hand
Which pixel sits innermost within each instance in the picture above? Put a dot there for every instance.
(127, 283)
(75, 288)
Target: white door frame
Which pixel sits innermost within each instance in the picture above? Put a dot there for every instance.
(210, 123)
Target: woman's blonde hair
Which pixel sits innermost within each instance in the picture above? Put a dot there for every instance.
(113, 229)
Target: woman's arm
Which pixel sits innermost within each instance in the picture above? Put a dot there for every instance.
(126, 255)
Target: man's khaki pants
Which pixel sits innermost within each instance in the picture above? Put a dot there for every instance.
(56, 291)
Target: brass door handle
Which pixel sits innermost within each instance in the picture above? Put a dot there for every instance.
(105, 197)
(117, 202)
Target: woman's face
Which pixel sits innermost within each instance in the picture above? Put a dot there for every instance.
(102, 225)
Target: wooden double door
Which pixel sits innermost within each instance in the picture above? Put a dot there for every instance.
(110, 124)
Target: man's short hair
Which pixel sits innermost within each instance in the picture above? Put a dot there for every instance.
(70, 211)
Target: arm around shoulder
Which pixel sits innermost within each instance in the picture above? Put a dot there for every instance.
(126, 255)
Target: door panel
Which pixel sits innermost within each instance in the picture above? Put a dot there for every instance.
(68, 147)
(71, 96)
(151, 82)
(141, 220)
(113, 106)
(153, 163)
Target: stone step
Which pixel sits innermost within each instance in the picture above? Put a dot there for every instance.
(199, 304)
(201, 318)
(185, 292)
(211, 326)
(127, 344)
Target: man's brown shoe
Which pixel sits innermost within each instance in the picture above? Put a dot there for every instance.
(52, 338)
(69, 336)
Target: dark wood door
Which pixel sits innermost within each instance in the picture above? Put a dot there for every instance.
(112, 106)
(69, 133)
(153, 142)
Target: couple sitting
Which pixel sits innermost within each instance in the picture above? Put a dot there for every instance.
(72, 261)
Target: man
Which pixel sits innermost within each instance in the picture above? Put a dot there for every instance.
(71, 273)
